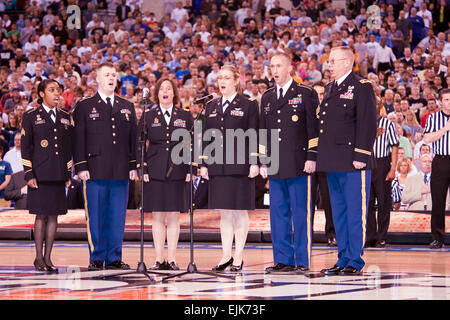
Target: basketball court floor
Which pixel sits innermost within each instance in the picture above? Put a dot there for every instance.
(392, 273)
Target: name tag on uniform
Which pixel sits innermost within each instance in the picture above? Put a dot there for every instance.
(237, 113)
(94, 115)
(125, 111)
(39, 121)
(179, 123)
(212, 115)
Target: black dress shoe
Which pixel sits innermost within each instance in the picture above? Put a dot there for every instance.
(332, 242)
(370, 244)
(302, 269)
(332, 271)
(381, 244)
(223, 266)
(350, 271)
(436, 245)
(173, 266)
(39, 265)
(95, 266)
(280, 267)
(237, 268)
(117, 265)
(158, 266)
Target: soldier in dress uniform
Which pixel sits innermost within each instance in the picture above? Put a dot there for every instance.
(231, 185)
(47, 160)
(105, 159)
(165, 184)
(290, 109)
(347, 130)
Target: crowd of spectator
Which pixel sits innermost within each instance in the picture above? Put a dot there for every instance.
(403, 47)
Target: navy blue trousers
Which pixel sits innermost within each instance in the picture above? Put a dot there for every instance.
(105, 207)
(290, 220)
(349, 196)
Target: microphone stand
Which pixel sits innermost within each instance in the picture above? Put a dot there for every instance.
(192, 268)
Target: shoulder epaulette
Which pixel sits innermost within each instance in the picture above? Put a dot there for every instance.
(66, 112)
(304, 86)
(31, 110)
(365, 81)
(269, 89)
(85, 98)
(117, 96)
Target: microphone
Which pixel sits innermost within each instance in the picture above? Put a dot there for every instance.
(208, 97)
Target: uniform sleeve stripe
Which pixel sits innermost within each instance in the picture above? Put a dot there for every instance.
(313, 143)
(363, 151)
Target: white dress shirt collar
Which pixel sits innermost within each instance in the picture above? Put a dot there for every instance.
(230, 99)
(285, 87)
(104, 96)
(341, 79)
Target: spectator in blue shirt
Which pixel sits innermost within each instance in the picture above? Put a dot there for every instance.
(5, 177)
(128, 79)
(418, 27)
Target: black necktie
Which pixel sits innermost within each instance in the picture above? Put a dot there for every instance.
(108, 102)
(281, 94)
(52, 115)
(425, 179)
(225, 105)
(167, 114)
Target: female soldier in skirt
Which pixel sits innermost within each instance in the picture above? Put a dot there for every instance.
(231, 186)
(165, 195)
(47, 161)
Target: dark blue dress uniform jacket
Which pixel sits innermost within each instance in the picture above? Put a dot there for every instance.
(241, 113)
(348, 125)
(46, 146)
(294, 116)
(105, 138)
(159, 134)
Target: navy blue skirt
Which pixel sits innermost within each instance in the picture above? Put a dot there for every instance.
(48, 199)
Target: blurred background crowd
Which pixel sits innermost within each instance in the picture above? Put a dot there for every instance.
(402, 46)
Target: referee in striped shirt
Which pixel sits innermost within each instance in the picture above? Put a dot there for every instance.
(437, 132)
(385, 151)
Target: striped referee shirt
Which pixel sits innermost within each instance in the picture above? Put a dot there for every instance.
(435, 122)
(388, 139)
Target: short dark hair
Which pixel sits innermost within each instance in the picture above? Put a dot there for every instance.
(176, 97)
(442, 92)
(105, 64)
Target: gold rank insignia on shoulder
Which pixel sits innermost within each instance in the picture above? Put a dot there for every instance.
(365, 81)
(22, 132)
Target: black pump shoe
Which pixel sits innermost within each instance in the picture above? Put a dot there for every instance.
(39, 265)
(223, 266)
(237, 268)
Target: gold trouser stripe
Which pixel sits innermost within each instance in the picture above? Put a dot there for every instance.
(308, 221)
(91, 245)
(363, 204)
(363, 151)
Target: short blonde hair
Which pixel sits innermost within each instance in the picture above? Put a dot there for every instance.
(348, 52)
(404, 160)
